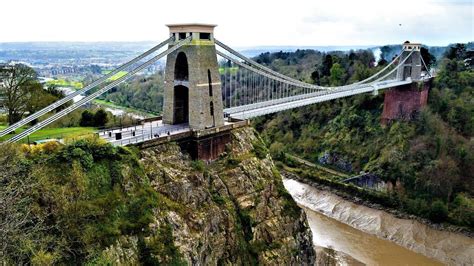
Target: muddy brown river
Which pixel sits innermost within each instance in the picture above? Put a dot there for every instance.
(345, 233)
(339, 244)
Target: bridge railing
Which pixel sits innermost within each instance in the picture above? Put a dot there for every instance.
(131, 136)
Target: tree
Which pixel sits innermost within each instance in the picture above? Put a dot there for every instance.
(385, 52)
(361, 72)
(58, 94)
(38, 98)
(382, 62)
(427, 57)
(87, 119)
(53, 90)
(327, 65)
(18, 222)
(100, 118)
(337, 75)
(277, 150)
(315, 77)
(457, 51)
(15, 87)
(438, 212)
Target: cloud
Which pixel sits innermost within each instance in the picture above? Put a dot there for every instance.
(243, 22)
(365, 22)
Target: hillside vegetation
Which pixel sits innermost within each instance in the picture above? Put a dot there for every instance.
(428, 160)
(87, 202)
(142, 93)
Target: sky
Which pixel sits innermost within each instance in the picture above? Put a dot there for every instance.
(242, 23)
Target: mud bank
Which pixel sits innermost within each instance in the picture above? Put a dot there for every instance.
(447, 247)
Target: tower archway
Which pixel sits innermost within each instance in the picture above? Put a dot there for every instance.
(181, 104)
(181, 70)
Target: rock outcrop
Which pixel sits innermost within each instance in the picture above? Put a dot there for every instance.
(234, 210)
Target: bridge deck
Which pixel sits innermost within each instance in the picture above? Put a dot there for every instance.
(141, 133)
(156, 131)
(273, 106)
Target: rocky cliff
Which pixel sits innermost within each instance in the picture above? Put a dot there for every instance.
(234, 210)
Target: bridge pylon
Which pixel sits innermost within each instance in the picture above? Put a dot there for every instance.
(192, 80)
(412, 66)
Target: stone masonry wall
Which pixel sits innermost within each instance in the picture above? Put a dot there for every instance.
(403, 102)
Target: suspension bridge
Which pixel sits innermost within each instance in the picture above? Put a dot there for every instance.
(209, 85)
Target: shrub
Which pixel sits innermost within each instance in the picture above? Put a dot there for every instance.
(259, 149)
(277, 150)
(198, 165)
(97, 119)
(87, 119)
(160, 249)
(43, 258)
(462, 210)
(233, 161)
(417, 206)
(100, 118)
(217, 198)
(438, 212)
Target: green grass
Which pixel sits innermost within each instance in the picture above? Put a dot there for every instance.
(226, 70)
(116, 76)
(53, 133)
(65, 83)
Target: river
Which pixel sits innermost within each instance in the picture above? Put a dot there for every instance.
(338, 243)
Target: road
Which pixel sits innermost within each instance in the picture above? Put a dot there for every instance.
(141, 133)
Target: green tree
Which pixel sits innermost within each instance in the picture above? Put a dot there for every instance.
(15, 87)
(361, 72)
(429, 59)
(457, 51)
(87, 119)
(384, 52)
(438, 212)
(315, 77)
(100, 118)
(38, 98)
(337, 75)
(327, 65)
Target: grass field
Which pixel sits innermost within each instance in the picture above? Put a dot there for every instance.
(116, 76)
(54, 133)
(65, 83)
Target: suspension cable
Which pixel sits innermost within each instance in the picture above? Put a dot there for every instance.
(427, 70)
(94, 84)
(97, 93)
(306, 85)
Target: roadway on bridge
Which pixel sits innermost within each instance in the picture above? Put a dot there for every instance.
(147, 131)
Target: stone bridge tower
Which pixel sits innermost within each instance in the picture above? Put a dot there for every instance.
(412, 67)
(404, 102)
(192, 80)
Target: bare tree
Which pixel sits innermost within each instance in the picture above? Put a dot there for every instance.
(15, 83)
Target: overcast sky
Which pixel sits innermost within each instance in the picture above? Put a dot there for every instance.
(242, 22)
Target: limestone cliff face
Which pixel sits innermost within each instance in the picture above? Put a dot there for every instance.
(232, 211)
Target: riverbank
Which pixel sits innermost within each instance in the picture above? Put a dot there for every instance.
(373, 200)
(445, 246)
